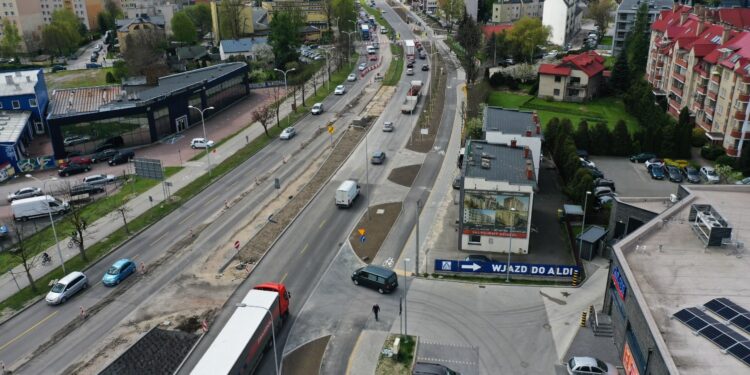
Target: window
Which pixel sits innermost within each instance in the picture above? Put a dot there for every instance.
(475, 239)
(16, 104)
(556, 92)
(32, 102)
(558, 78)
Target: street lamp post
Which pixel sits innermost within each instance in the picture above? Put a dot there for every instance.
(286, 89)
(49, 211)
(273, 333)
(349, 46)
(510, 242)
(367, 171)
(583, 223)
(205, 137)
(327, 51)
(403, 293)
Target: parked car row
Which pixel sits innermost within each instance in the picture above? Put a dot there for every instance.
(77, 281)
(658, 170)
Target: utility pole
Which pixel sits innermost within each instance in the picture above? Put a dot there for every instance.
(416, 256)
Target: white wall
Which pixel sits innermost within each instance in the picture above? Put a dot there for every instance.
(534, 144)
(555, 16)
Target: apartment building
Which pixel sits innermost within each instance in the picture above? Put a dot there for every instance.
(700, 59)
(505, 11)
(564, 19)
(625, 18)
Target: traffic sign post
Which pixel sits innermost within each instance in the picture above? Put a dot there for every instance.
(237, 245)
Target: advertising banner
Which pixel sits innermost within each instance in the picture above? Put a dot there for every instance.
(489, 213)
(619, 283)
(444, 265)
(628, 362)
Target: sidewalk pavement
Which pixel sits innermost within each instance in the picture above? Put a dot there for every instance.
(11, 282)
(366, 352)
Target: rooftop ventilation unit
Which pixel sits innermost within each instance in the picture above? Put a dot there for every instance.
(710, 227)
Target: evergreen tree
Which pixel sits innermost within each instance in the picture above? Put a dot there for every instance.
(620, 80)
(582, 137)
(621, 142)
(743, 164)
(668, 140)
(601, 139)
(683, 134)
(637, 41)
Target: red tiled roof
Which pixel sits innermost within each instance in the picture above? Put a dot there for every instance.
(668, 17)
(488, 30)
(554, 70)
(588, 62)
(737, 17)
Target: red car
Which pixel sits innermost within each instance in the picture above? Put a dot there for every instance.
(373, 57)
(80, 160)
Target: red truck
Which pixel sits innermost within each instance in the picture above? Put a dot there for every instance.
(239, 347)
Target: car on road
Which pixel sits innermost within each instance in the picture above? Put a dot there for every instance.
(656, 171)
(674, 173)
(103, 155)
(66, 287)
(378, 157)
(604, 182)
(85, 189)
(72, 169)
(122, 157)
(388, 126)
(93, 66)
(478, 258)
(99, 179)
(642, 157)
(410, 72)
(362, 66)
(201, 143)
(744, 181)
(75, 140)
(425, 68)
(339, 90)
(457, 182)
(58, 68)
(288, 133)
(589, 366)
(710, 175)
(410, 64)
(382, 279)
(352, 77)
(653, 161)
(24, 193)
(691, 175)
(119, 271)
(373, 58)
(317, 108)
(384, 30)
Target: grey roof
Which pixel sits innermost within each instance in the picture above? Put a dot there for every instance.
(12, 125)
(592, 234)
(63, 102)
(506, 163)
(191, 52)
(573, 209)
(654, 5)
(158, 352)
(122, 25)
(19, 82)
(241, 45)
(510, 121)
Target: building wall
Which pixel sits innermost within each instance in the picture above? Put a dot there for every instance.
(625, 18)
(625, 218)
(555, 16)
(506, 11)
(93, 8)
(548, 85)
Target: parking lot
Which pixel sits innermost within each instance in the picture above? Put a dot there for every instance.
(632, 179)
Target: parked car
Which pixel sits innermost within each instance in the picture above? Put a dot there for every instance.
(710, 175)
(93, 66)
(604, 182)
(586, 163)
(80, 160)
(601, 191)
(66, 287)
(582, 154)
(478, 258)
(457, 182)
(288, 133)
(4, 232)
(654, 161)
(674, 174)
(589, 365)
(378, 157)
(388, 126)
(119, 271)
(103, 155)
(425, 68)
(58, 68)
(410, 64)
(352, 77)
(339, 90)
(379, 278)
(656, 171)
(75, 140)
(744, 181)
(24, 193)
(595, 172)
(362, 66)
(317, 109)
(72, 169)
(642, 157)
(85, 189)
(425, 368)
(121, 157)
(410, 72)
(99, 179)
(691, 174)
(201, 143)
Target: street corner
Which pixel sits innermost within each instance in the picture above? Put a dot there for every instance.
(303, 359)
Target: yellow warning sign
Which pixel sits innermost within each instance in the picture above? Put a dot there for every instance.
(330, 128)
(361, 231)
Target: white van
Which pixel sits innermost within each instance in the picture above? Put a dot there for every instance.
(370, 50)
(347, 193)
(29, 208)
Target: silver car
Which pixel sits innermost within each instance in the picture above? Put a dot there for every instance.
(23, 193)
(66, 287)
(590, 366)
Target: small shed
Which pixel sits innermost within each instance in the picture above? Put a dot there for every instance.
(593, 241)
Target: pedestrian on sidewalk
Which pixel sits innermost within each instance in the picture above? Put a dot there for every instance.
(375, 310)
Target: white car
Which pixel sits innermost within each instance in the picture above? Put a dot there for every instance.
(340, 90)
(352, 77)
(76, 139)
(589, 366)
(23, 193)
(384, 30)
(201, 143)
(589, 164)
(362, 66)
(388, 126)
(709, 173)
(288, 133)
(99, 179)
(409, 72)
(654, 161)
(317, 109)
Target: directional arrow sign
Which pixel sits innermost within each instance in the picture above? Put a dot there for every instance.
(474, 267)
(362, 239)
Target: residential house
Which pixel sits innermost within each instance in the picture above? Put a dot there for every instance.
(625, 18)
(577, 78)
(248, 48)
(564, 19)
(504, 11)
(129, 26)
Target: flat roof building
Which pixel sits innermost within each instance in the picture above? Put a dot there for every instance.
(514, 127)
(687, 257)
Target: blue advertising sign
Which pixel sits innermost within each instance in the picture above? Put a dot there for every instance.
(502, 268)
(619, 283)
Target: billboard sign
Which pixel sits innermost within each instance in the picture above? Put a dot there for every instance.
(489, 213)
(444, 265)
(628, 362)
(619, 282)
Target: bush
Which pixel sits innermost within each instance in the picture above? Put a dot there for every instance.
(699, 137)
(726, 160)
(534, 89)
(110, 78)
(711, 152)
(676, 163)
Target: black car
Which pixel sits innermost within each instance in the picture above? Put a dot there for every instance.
(595, 173)
(674, 174)
(425, 68)
(642, 157)
(603, 182)
(410, 64)
(58, 68)
(73, 169)
(103, 155)
(86, 189)
(122, 157)
(656, 172)
(379, 278)
(478, 258)
(692, 175)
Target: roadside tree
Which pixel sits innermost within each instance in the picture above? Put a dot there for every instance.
(24, 254)
(183, 28)
(63, 33)
(469, 36)
(600, 11)
(11, 41)
(284, 36)
(80, 224)
(263, 115)
(528, 33)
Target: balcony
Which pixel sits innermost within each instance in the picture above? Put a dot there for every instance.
(743, 98)
(701, 90)
(678, 77)
(703, 74)
(712, 95)
(659, 63)
(681, 62)
(674, 104)
(739, 115)
(709, 111)
(676, 90)
(746, 79)
(716, 79)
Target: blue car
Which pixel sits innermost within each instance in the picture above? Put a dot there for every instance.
(118, 272)
(656, 171)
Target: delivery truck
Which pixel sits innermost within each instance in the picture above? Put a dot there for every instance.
(239, 347)
(347, 193)
(409, 49)
(412, 97)
(29, 208)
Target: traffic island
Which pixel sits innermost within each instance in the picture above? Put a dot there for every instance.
(372, 230)
(306, 359)
(404, 175)
(397, 356)
(432, 105)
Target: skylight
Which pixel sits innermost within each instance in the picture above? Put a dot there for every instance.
(716, 39)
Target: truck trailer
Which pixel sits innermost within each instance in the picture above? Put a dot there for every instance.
(412, 97)
(239, 346)
(409, 49)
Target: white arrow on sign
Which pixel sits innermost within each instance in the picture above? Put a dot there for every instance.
(472, 267)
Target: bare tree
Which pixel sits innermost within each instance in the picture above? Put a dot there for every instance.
(263, 115)
(79, 223)
(231, 19)
(123, 211)
(24, 254)
(276, 104)
(147, 57)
